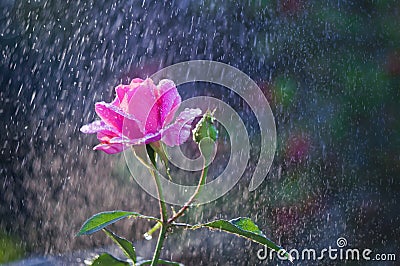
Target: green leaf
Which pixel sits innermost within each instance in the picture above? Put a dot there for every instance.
(108, 260)
(125, 245)
(160, 261)
(243, 227)
(103, 219)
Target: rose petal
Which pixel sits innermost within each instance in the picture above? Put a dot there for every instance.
(140, 106)
(109, 116)
(125, 92)
(178, 132)
(169, 117)
(96, 126)
(121, 91)
(124, 123)
(110, 148)
(105, 136)
(167, 98)
(140, 141)
(136, 81)
(170, 100)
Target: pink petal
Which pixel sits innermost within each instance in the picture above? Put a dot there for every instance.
(140, 141)
(164, 107)
(140, 106)
(125, 92)
(136, 81)
(169, 100)
(96, 126)
(124, 123)
(110, 148)
(131, 129)
(109, 116)
(171, 113)
(121, 91)
(105, 136)
(178, 132)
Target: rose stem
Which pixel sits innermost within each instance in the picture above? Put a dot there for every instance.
(164, 217)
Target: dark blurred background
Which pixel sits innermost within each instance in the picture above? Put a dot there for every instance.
(331, 73)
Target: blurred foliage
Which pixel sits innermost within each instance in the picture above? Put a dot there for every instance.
(10, 248)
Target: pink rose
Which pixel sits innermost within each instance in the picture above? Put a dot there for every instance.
(141, 113)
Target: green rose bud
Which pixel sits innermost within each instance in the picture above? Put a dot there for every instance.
(205, 134)
(205, 128)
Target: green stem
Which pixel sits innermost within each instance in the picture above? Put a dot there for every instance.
(159, 245)
(161, 200)
(163, 213)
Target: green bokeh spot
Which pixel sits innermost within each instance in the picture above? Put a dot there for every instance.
(285, 90)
